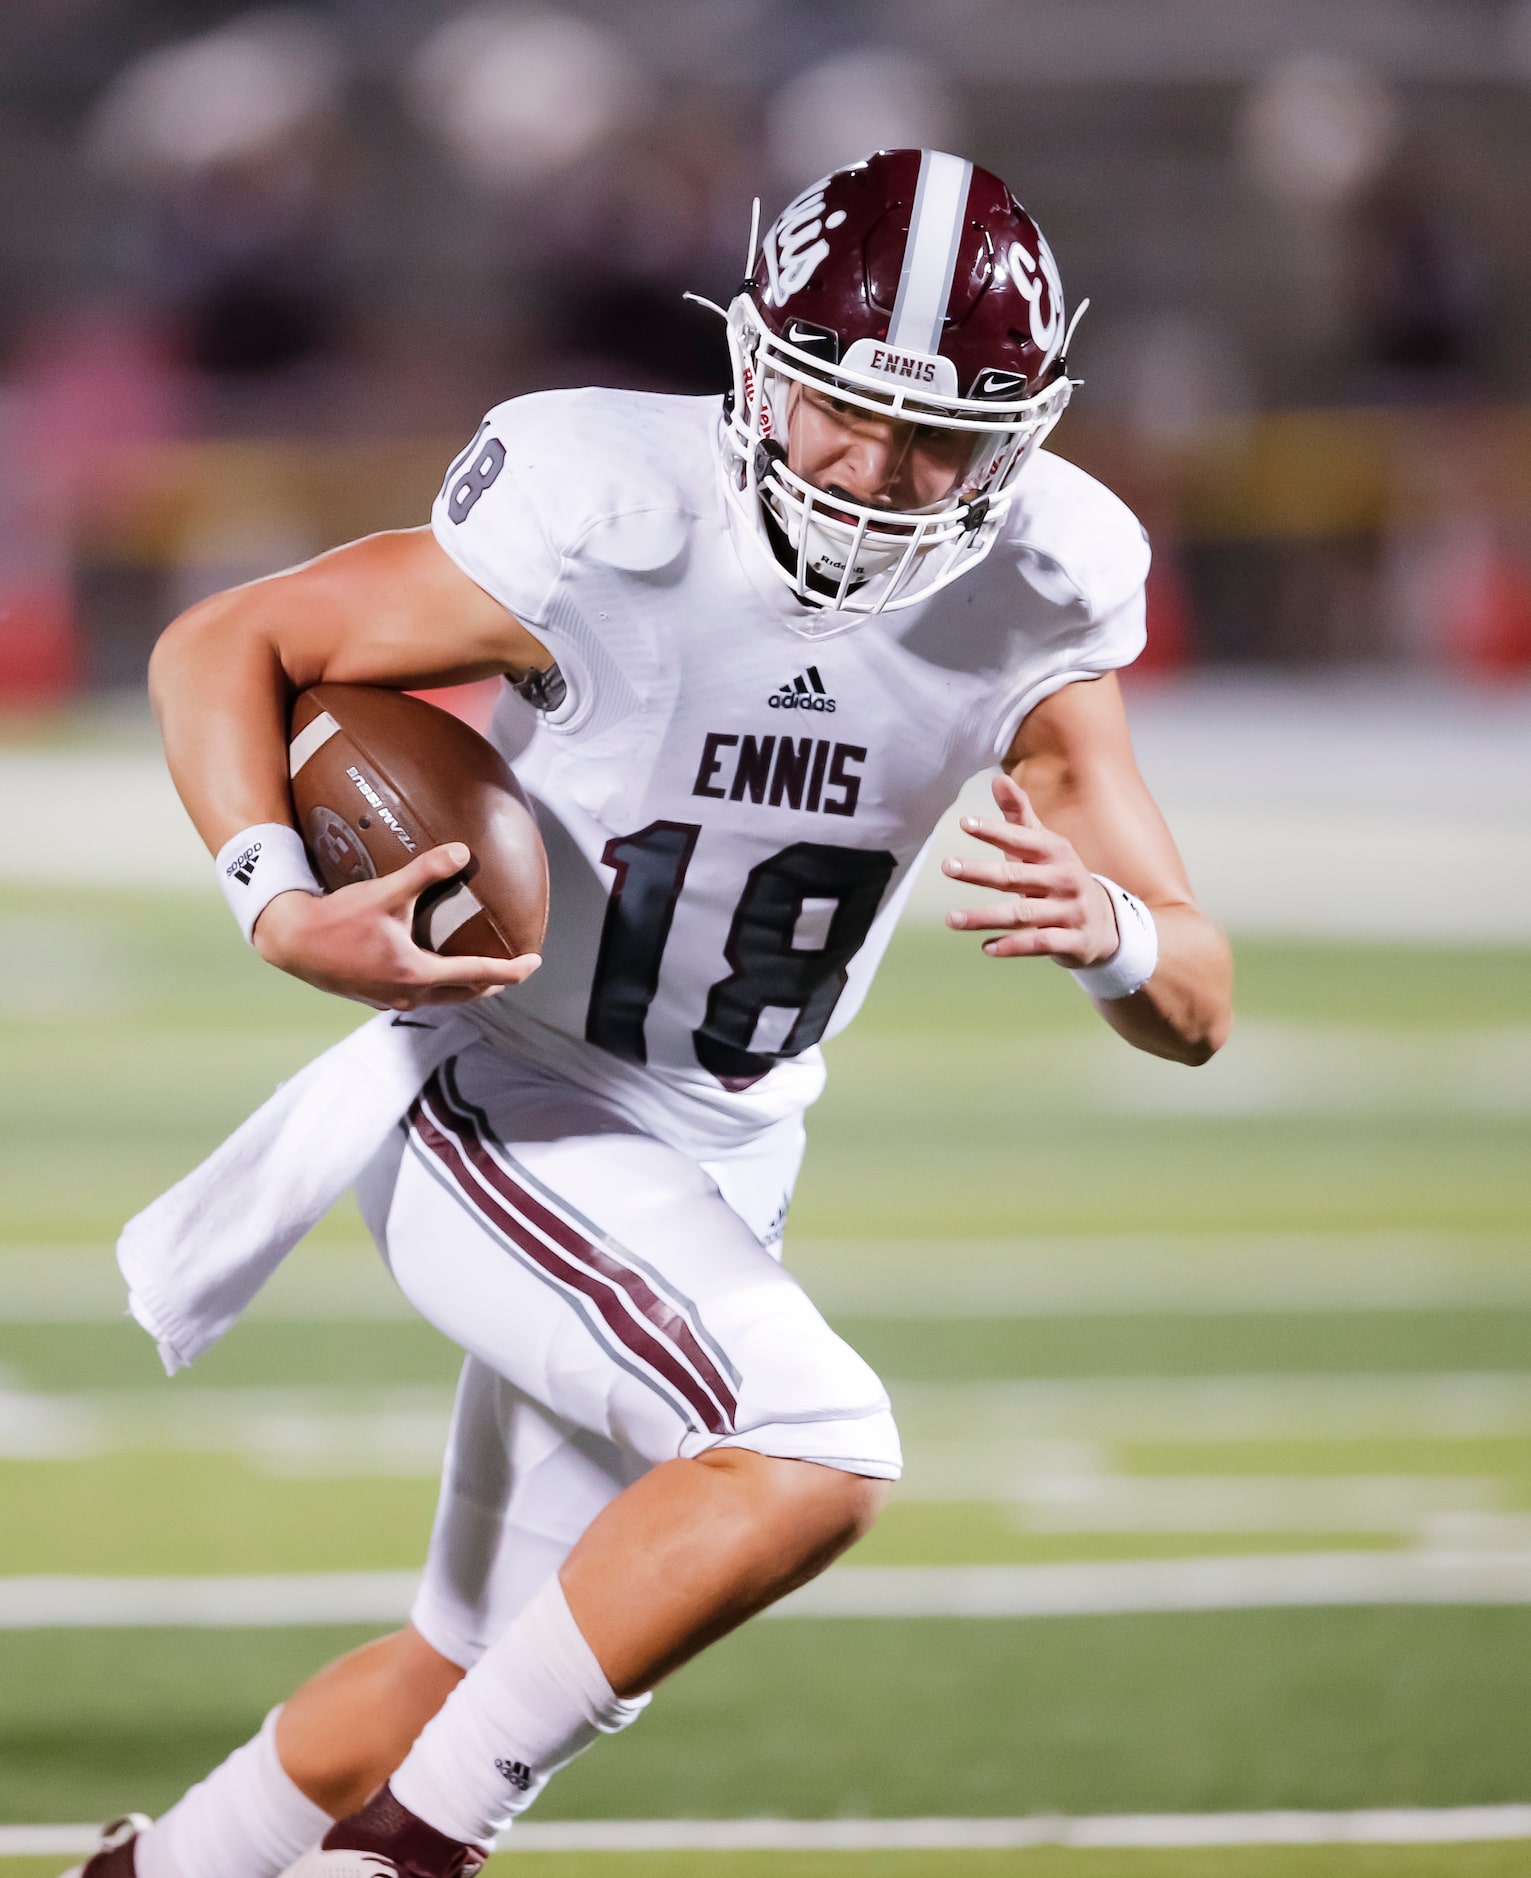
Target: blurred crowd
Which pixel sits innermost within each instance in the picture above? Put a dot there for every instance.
(261, 271)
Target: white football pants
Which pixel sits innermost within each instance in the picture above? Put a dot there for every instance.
(618, 1309)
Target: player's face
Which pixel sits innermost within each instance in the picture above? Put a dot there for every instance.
(879, 462)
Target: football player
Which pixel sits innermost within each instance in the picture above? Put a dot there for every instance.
(752, 654)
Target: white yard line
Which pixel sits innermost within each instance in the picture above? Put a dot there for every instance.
(269, 1602)
(1008, 1440)
(1090, 1274)
(1296, 803)
(1454, 1825)
(1123, 1587)
(1460, 1405)
(66, 788)
(1124, 1831)
(47, 1841)
(1120, 1274)
(1105, 1588)
(282, 1432)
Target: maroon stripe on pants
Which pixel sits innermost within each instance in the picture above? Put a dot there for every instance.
(643, 1340)
(659, 1311)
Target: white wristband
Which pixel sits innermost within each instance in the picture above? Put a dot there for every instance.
(1132, 964)
(257, 864)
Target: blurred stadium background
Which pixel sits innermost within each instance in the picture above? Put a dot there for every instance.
(1256, 1338)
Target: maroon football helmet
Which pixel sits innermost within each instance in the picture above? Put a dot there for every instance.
(911, 286)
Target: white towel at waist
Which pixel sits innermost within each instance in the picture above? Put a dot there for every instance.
(196, 1256)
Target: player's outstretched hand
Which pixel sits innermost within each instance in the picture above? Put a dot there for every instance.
(358, 941)
(1053, 906)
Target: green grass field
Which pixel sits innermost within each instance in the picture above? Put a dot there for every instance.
(1125, 1310)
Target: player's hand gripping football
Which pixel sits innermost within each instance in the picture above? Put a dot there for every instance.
(358, 942)
(1053, 906)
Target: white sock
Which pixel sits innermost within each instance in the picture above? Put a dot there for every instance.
(534, 1700)
(246, 1820)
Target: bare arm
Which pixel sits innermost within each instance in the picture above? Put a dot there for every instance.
(392, 609)
(1072, 804)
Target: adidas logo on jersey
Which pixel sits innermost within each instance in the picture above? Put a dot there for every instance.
(516, 1772)
(804, 693)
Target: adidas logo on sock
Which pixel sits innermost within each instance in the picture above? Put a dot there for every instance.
(516, 1772)
(804, 693)
(242, 867)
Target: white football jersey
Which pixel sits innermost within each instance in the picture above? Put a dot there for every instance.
(732, 812)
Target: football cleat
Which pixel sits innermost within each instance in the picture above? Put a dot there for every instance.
(911, 287)
(386, 1840)
(113, 1857)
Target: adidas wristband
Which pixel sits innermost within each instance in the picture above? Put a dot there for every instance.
(1132, 964)
(256, 865)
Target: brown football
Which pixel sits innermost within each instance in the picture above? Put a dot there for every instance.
(379, 777)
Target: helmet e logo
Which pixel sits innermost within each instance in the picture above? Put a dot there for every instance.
(795, 245)
(1031, 277)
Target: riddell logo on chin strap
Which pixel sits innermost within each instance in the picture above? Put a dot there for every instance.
(804, 693)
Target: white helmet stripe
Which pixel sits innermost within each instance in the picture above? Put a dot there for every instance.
(930, 259)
